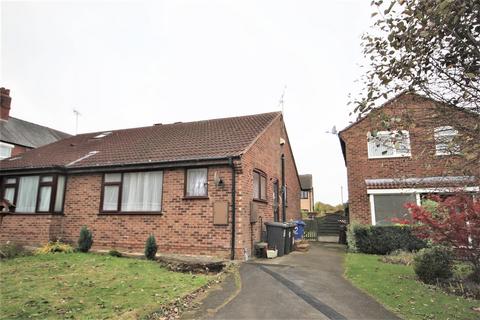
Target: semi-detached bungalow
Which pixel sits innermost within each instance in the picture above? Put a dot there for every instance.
(203, 187)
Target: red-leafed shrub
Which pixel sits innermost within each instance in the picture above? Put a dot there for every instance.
(455, 222)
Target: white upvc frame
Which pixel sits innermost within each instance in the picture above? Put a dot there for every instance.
(8, 145)
(416, 191)
(389, 133)
(447, 133)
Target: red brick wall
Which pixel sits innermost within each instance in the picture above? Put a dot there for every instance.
(186, 225)
(17, 150)
(265, 155)
(29, 229)
(419, 116)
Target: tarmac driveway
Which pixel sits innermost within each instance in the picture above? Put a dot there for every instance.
(297, 286)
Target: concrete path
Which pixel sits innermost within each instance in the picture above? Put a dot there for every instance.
(297, 286)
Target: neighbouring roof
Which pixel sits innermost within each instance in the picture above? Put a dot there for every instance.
(415, 182)
(27, 134)
(399, 96)
(306, 182)
(191, 141)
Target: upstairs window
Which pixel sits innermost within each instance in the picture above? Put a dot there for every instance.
(259, 186)
(196, 182)
(5, 150)
(388, 144)
(445, 141)
(304, 194)
(32, 194)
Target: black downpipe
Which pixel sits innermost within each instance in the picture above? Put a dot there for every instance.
(284, 205)
(232, 255)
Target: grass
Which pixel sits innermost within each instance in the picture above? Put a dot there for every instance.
(88, 286)
(396, 287)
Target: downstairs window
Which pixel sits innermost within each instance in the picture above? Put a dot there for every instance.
(388, 207)
(36, 193)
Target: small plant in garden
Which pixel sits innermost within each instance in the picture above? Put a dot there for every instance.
(453, 222)
(115, 253)
(151, 248)
(433, 264)
(55, 247)
(12, 250)
(85, 240)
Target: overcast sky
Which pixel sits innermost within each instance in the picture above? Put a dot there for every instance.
(135, 63)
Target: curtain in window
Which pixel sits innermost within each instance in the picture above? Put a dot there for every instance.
(27, 194)
(59, 195)
(44, 200)
(9, 194)
(110, 198)
(142, 191)
(445, 140)
(196, 182)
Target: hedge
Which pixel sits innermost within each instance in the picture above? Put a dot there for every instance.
(382, 239)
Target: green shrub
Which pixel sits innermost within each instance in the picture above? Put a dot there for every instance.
(55, 247)
(151, 248)
(433, 264)
(115, 253)
(12, 250)
(382, 239)
(85, 240)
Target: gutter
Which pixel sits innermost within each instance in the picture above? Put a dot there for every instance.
(118, 167)
(232, 165)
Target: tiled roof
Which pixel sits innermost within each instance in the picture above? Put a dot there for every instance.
(24, 133)
(306, 181)
(201, 140)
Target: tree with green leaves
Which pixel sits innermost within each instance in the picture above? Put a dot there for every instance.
(431, 47)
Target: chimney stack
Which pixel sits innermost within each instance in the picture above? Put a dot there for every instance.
(5, 101)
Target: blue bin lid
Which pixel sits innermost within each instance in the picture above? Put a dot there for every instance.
(299, 222)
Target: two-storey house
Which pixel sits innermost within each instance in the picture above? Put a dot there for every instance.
(403, 151)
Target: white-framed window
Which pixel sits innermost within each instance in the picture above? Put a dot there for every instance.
(196, 182)
(5, 150)
(304, 194)
(132, 192)
(445, 143)
(386, 208)
(388, 144)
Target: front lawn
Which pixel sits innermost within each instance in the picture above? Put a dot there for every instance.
(88, 286)
(395, 287)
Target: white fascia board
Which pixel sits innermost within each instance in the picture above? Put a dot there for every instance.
(422, 190)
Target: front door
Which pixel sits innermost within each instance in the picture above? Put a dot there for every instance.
(276, 201)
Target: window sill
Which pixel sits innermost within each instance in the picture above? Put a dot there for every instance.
(448, 154)
(31, 213)
(127, 213)
(391, 157)
(195, 198)
(260, 200)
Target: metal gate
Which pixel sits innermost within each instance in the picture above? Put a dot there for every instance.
(328, 225)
